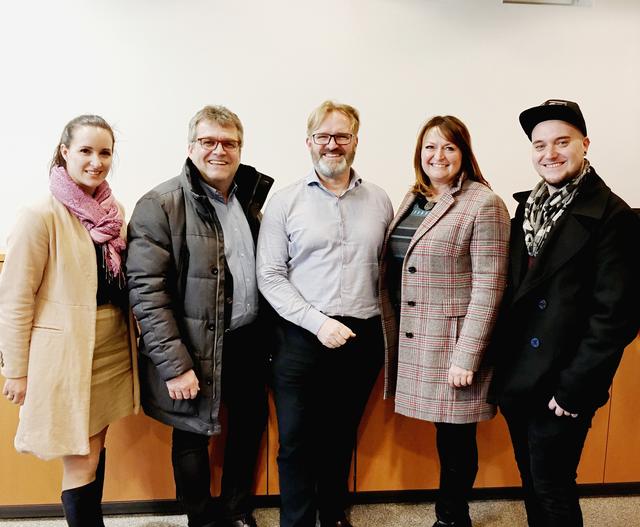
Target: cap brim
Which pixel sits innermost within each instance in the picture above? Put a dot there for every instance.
(530, 118)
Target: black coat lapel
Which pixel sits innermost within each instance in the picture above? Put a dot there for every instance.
(569, 235)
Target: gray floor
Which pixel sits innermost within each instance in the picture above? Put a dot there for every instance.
(609, 512)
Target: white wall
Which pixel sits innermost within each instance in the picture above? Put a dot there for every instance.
(148, 65)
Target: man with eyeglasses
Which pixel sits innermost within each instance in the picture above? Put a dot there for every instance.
(569, 310)
(203, 336)
(317, 266)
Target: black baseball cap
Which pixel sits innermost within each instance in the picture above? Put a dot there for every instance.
(553, 109)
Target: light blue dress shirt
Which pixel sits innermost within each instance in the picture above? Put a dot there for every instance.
(318, 253)
(239, 253)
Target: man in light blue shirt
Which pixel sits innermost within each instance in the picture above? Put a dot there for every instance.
(317, 265)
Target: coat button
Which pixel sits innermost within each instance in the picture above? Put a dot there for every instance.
(229, 300)
(209, 382)
(214, 270)
(211, 327)
(412, 269)
(535, 342)
(411, 303)
(542, 304)
(409, 335)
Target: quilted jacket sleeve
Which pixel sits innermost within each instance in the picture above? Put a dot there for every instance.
(152, 288)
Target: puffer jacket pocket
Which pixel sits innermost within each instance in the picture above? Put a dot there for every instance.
(154, 392)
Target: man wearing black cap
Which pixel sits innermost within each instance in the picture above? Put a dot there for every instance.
(568, 312)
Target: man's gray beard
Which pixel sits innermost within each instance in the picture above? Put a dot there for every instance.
(331, 170)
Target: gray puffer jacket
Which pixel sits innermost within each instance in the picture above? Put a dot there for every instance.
(177, 288)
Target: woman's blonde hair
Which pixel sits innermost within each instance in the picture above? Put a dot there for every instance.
(318, 115)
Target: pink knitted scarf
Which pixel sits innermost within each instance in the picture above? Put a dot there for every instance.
(99, 214)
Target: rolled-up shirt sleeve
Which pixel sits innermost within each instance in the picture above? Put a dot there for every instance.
(272, 270)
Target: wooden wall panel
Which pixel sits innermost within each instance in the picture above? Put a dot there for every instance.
(398, 453)
(623, 447)
(393, 452)
(138, 464)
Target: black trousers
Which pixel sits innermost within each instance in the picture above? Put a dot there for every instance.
(320, 395)
(244, 375)
(458, 454)
(547, 450)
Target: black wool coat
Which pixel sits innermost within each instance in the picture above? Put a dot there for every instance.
(566, 320)
(179, 285)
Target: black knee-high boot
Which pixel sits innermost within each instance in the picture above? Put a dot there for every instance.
(83, 505)
(99, 486)
(80, 506)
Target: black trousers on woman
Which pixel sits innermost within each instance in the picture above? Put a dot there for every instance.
(320, 395)
(458, 453)
(244, 394)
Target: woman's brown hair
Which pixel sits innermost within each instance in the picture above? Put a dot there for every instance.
(455, 131)
(67, 135)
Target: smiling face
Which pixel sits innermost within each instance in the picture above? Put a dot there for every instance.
(558, 151)
(333, 161)
(441, 159)
(88, 157)
(218, 166)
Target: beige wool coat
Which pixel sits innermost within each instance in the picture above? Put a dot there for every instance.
(48, 309)
(453, 278)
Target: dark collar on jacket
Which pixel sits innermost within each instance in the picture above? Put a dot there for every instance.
(252, 187)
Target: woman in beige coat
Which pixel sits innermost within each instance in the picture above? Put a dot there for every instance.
(444, 268)
(65, 343)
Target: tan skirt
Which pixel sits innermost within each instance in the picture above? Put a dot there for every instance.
(111, 375)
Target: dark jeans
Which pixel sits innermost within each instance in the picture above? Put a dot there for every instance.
(458, 453)
(244, 395)
(320, 395)
(547, 449)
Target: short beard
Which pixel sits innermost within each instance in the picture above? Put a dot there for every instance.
(331, 170)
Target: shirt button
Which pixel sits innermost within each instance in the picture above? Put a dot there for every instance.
(412, 269)
(542, 304)
(214, 270)
(209, 382)
(409, 335)
(535, 342)
(411, 303)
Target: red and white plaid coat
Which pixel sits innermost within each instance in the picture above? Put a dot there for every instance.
(453, 279)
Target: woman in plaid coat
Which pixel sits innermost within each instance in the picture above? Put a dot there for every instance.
(443, 273)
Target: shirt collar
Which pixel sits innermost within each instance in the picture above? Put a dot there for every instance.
(354, 181)
(213, 193)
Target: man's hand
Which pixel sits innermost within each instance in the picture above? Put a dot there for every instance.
(558, 410)
(334, 334)
(459, 377)
(184, 386)
(15, 390)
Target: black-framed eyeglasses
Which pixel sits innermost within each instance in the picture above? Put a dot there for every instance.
(325, 139)
(211, 143)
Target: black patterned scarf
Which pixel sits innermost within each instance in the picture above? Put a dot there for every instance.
(543, 210)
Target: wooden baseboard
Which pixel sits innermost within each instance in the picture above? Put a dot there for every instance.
(170, 507)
